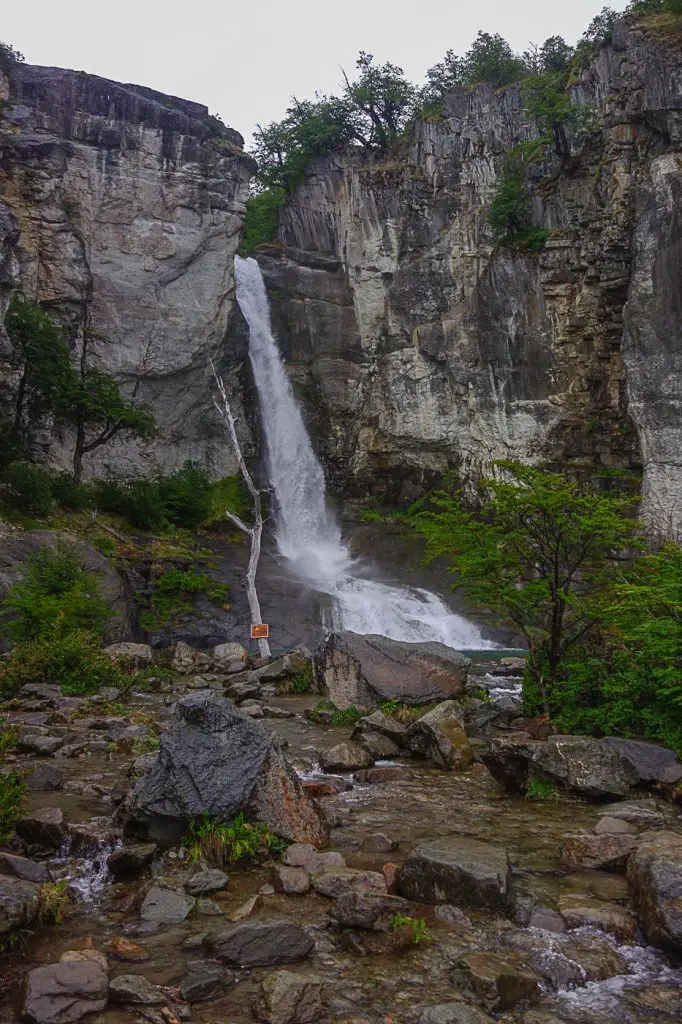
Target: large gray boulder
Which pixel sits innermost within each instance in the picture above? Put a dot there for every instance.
(19, 902)
(655, 875)
(362, 671)
(651, 762)
(64, 993)
(260, 943)
(288, 998)
(457, 870)
(583, 765)
(439, 736)
(213, 759)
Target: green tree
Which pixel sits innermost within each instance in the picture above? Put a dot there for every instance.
(9, 58)
(542, 557)
(509, 209)
(40, 357)
(384, 98)
(628, 678)
(491, 59)
(96, 408)
(54, 596)
(50, 384)
(444, 76)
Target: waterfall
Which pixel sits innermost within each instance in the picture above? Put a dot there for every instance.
(308, 535)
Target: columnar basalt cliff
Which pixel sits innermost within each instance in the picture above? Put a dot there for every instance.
(120, 211)
(419, 346)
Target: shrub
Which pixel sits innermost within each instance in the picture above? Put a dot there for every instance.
(210, 839)
(262, 216)
(12, 800)
(537, 789)
(53, 901)
(299, 682)
(179, 499)
(54, 596)
(416, 924)
(9, 58)
(74, 661)
(8, 738)
(174, 593)
(27, 488)
(509, 209)
(71, 494)
(230, 494)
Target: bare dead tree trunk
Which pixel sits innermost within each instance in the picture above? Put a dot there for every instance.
(255, 532)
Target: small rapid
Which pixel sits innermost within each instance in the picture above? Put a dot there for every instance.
(308, 535)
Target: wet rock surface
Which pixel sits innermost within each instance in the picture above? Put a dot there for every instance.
(363, 671)
(458, 870)
(214, 760)
(569, 929)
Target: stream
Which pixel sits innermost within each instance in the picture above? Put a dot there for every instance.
(633, 984)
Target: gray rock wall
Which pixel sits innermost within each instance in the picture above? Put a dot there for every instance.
(418, 346)
(130, 208)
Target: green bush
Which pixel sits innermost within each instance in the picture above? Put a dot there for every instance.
(55, 595)
(230, 494)
(74, 661)
(262, 215)
(183, 499)
(27, 488)
(69, 493)
(509, 210)
(221, 844)
(9, 58)
(12, 802)
(174, 593)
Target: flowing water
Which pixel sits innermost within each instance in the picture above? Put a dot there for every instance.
(308, 534)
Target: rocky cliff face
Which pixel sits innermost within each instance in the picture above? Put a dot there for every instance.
(120, 211)
(418, 346)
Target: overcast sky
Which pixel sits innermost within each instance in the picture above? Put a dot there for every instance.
(244, 60)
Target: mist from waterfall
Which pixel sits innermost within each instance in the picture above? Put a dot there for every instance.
(308, 535)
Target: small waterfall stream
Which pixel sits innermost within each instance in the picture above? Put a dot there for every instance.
(308, 534)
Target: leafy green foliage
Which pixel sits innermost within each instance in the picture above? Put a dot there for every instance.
(183, 498)
(405, 713)
(83, 397)
(55, 595)
(53, 901)
(95, 406)
(74, 661)
(8, 738)
(9, 58)
(539, 789)
(416, 924)
(27, 488)
(509, 210)
(174, 592)
(12, 802)
(221, 844)
(147, 744)
(628, 679)
(262, 215)
(542, 559)
(299, 682)
(339, 716)
(229, 494)
(492, 60)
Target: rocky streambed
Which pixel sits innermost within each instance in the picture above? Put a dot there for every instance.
(442, 897)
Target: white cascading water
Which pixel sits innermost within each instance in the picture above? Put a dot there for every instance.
(308, 534)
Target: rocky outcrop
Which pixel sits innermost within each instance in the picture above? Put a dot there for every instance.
(129, 205)
(418, 346)
(215, 760)
(357, 670)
